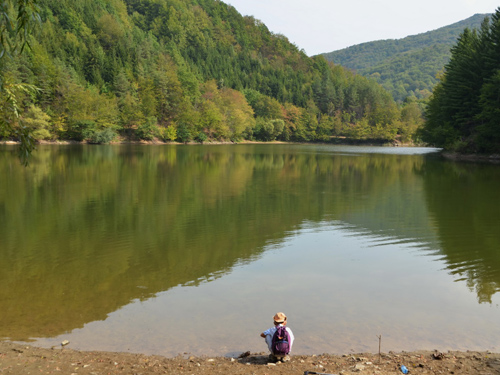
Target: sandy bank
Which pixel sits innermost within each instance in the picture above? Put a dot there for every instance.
(22, 359)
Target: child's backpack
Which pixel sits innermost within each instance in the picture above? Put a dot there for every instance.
(281, 341)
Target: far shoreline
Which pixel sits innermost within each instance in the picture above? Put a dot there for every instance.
(336, 141)
(448, 155)
(492, 158)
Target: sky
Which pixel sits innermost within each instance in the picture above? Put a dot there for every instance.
(319, 26)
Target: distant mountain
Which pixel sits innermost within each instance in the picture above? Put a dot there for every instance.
(408, 66)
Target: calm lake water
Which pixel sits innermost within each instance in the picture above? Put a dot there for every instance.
(192, 249)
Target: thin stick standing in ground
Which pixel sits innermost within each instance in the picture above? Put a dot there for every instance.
(379, 344)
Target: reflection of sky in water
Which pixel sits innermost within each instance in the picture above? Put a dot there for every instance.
(339, 288)
(350, 150)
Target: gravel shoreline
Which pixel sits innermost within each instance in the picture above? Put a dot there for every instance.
(22, 359)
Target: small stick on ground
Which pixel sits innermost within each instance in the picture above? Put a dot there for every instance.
(379, 344)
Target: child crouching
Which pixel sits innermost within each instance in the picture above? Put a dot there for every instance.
(279, 339)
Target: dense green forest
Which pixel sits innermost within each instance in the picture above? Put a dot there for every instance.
(407, 67)
(182, 70)
(464, 112)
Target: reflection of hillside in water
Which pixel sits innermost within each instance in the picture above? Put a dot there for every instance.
(87, 230)
(464, 201)
(104, 226)
(452, 210)
(396, 216)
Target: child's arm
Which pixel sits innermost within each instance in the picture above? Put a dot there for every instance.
(265, 333)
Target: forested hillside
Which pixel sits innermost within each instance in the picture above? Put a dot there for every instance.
(408, 66)
(464, 112)
(183, 70)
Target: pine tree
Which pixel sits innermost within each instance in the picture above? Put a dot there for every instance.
(463, 113)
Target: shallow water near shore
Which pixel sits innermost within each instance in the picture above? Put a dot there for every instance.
(174, 249)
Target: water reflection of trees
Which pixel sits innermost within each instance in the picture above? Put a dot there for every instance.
(87, 230)
(464, 201)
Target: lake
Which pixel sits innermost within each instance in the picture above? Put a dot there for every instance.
(173, 249)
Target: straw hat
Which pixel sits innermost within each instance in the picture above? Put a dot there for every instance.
(279, 317)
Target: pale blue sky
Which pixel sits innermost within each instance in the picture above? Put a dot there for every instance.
(326, 25)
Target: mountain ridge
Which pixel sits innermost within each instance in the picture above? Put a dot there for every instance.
(407, 66)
